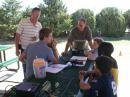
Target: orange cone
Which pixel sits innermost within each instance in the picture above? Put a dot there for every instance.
(120, 53)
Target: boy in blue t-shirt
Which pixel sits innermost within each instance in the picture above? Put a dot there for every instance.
(102, 84)
(106, 49)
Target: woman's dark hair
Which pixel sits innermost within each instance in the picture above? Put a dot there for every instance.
(44, 32)
(106, 49)
(104, 64)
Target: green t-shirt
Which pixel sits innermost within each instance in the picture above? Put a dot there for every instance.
(75, 34)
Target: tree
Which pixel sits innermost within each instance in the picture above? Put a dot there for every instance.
(10, 16)
(26, 13)
(54, 16)
(127, 18)
(110, 22)
(87, 14)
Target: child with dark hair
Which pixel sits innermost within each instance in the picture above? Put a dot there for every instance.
(93, 54)
(106, 49)
(103, 85)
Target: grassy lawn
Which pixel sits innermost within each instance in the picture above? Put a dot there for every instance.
(119, 41)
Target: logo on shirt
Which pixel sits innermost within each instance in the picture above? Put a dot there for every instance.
(114, 87)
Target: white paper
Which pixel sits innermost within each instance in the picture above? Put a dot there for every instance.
(81, 58)
(55, 68)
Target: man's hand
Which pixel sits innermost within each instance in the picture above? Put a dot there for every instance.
(22, 57)
(53, 44)
(63, 53)
(34, 38)
(17, 52)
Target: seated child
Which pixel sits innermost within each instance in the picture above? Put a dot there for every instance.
(93, 54)
(103, 84)
(106, 49)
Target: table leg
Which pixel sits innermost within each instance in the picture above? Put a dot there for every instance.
(4, 55)
(0, 57)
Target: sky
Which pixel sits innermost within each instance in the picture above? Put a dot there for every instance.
(73, 5)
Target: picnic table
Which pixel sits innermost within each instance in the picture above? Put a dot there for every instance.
(63, 84)
(4, 62)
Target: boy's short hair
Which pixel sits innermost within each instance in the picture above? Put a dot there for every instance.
(98, 40)
(105, 48)
(104, 64)
(36, 9)
(44, 32)
(82, 19)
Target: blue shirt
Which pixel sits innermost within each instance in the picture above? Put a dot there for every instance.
(39, 50)
(104, 86)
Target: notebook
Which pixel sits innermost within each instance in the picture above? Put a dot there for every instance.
(80, 45)
(55, 68)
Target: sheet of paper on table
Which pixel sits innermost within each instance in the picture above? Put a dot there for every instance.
(81, 58)
(55, 68)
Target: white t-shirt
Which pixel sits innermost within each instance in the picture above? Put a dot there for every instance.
(27, 30)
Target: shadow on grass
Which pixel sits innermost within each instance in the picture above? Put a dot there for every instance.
(5, 77)
(125, 37)
(2, 93)
(111, 39)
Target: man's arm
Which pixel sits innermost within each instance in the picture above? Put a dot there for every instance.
(52, 57)
(17, 36)
(22, 57)
(90, 43)
(17, 39)
(89, 36)
(56, 54)
(66, 48)
(55, 60)
(68, 44)
(52, 45)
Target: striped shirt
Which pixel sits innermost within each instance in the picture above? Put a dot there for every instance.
(27, 31)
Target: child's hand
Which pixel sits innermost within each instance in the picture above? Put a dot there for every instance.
(81, 74)
(89, 53)
(84, 86)
(86, 53)
(81, 77)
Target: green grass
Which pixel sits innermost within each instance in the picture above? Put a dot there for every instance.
(119, 41)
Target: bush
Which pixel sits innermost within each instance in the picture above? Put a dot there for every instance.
(7, 31)
(127, 18)
(110, 22)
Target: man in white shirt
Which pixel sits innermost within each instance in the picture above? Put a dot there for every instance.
(28, 31)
